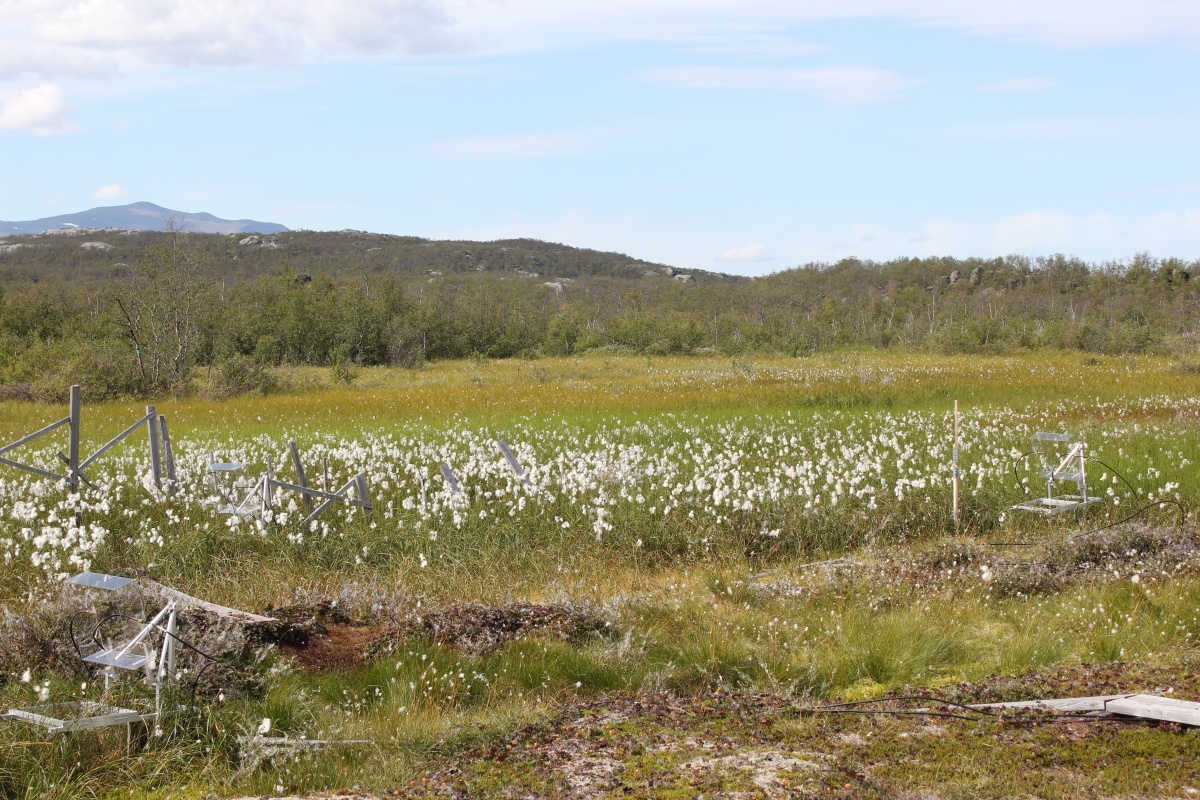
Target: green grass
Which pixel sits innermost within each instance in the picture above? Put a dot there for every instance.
(695, 603)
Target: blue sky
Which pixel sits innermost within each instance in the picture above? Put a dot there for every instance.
(742, 137)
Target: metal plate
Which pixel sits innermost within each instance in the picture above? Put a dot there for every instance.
(225, 467)
(98, 580)
(114, 658)
(237, 511)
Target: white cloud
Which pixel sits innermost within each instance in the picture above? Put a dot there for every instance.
(747, 253)
(42, 110)
(42, 36)
(1030, 84)
(520, 145)
(110, 192)
(842, 84)
(1034, 231)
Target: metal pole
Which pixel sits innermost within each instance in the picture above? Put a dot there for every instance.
(325, 466)
(957, 512)
(300, 476)
(168, 456)
(73, 449)
(155, 458)
(268, 494)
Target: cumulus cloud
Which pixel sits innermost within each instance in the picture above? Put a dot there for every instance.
(748, 253)
(841, 84)
(1019, 85)
(110, 192)
(42, 110)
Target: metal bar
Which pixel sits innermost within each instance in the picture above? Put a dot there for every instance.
(448, 477)
(168, 455)
(325, 465)
(341, 495)
(300, 476)
(113, 442)
(155, 455)
(304, 490)
(169, 608)
(34, 435)
(364, 497)
(268, 495)
(73, 444)
(35, 470)
(63, 458)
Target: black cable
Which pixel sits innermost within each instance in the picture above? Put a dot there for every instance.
(211, 659)
(71, 633)
(1114, 472)
(1134, 515)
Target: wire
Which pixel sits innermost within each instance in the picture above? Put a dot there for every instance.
(211, 659)
(1134, 515)
(1114, 472)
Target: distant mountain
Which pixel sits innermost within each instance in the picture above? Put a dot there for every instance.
(140, 217)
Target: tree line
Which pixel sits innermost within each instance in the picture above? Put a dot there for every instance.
(176, 313)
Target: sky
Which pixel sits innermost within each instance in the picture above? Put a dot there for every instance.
(743, 136)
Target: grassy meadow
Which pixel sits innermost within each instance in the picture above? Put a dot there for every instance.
(721, 544)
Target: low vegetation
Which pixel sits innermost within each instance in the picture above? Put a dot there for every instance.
(706, 551)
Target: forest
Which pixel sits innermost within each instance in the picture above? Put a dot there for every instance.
(138, 314)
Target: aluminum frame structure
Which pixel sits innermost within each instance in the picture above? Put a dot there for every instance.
(261, 496)
(1058, 468)
(159, 437)
(136, 654)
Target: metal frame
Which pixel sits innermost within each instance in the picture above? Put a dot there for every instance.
(156, 428)
(1070, 468)
(158, 664)
(264, 490)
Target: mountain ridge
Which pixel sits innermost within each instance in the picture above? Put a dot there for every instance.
(140, 216)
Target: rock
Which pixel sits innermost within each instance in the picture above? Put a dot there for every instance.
(954, 276)
(670, 272)
(557, 287)
(9, 248)
(684, 278)
(249, 241)
(96, 246)
(977, 276)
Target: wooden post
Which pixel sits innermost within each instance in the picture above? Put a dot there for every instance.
(73, 449)
(957, 512)
(168, 456)
(300, 476)
(155, 456)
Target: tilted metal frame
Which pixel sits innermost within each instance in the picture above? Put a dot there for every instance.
(264, 490)
(159, 440)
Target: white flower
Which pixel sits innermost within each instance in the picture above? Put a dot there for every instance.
(264, 727)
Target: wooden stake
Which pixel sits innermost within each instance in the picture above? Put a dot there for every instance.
(957, 512)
